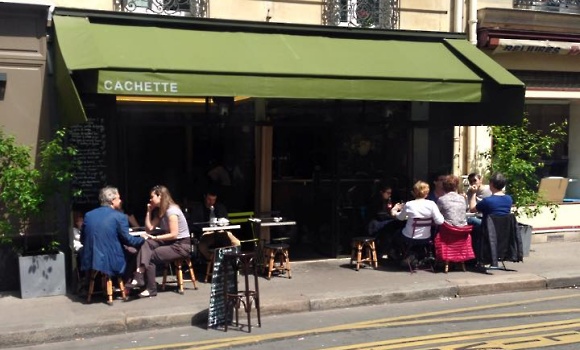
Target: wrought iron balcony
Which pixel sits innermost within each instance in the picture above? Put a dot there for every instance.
(564, 6)
(190, 8)
(382, 14)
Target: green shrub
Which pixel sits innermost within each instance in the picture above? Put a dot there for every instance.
(25, 190)
(518, 153)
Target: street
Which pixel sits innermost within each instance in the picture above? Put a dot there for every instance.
(527, 320)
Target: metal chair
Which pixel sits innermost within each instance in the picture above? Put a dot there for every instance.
(453, 245)
(244, 263)
(500, 242)
(422, 247)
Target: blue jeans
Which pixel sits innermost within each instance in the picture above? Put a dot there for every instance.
(474, 220)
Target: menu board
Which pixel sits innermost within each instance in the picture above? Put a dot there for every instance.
(90, 141)
(217, 303)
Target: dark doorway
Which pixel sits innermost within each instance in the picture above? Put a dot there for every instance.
(181, 147)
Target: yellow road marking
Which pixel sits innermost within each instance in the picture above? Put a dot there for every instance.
(530, 342)
(472, 336)
(390, 322)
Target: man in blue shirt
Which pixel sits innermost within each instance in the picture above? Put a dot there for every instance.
(498, 203)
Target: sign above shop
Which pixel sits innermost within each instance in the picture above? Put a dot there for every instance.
(137, 86)
(537, 46)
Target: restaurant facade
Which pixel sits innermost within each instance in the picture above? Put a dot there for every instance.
(301, 120)
(268, 113)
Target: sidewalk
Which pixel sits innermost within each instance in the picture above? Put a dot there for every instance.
(315, 285)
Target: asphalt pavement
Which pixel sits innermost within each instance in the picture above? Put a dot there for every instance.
(315, 285)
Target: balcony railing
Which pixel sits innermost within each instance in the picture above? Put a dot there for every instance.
(564, 6)
(189, 8)
(382, 14)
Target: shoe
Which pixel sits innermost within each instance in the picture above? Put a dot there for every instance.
(137, 281)
(147, 294)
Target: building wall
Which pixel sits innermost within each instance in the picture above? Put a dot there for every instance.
(537, 61)
(433, 15)
(303, 12)
(24, 109)
(103, 5)
(573, 190)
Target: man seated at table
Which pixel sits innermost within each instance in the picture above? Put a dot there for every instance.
(206, 214)
(104, 232)
(498, 203)
(476, 191)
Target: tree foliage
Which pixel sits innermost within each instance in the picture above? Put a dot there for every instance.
(518, 153)
(25, 189)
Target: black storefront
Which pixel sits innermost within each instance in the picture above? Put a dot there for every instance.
(316, 159)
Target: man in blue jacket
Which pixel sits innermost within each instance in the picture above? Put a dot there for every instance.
(104, 232)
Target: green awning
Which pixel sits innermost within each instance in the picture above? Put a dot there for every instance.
(152, 60)
(69, 103)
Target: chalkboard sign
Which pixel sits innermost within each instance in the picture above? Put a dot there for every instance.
(217, 302)
(90, 141)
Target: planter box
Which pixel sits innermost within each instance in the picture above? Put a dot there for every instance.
(42, 275)
(525, 231)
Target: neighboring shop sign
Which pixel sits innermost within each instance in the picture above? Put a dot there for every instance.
(537, 46)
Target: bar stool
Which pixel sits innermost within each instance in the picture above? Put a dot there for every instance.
(178, 273)
(209, 268)
(244, 263)
(107, 284)
(364, 252)
(277, 258)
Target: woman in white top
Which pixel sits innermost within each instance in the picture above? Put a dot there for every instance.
(419, 208)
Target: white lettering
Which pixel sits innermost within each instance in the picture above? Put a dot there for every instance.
(128, 86)
(140, 86)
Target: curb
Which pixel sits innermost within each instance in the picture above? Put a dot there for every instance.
(454, 287)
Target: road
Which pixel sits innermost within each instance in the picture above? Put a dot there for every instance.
(548, 319)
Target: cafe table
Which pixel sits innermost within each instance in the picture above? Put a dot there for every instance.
(220, 228)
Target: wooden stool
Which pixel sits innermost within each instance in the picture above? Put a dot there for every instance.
(209, 268)
(107, 284)
(243, 263)
(278, 251)
(364, 252)
(179, 273)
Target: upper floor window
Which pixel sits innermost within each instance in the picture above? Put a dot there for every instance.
(195, 8)
(566, 6)
(362, 13)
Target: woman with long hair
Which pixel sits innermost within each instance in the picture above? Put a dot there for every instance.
(172, 243)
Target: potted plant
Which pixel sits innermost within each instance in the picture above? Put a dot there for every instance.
(30, 203)
(518, 153)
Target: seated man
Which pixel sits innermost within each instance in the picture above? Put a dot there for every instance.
(207, 213)
(478, 191)
(104, 232)
(498, 203)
